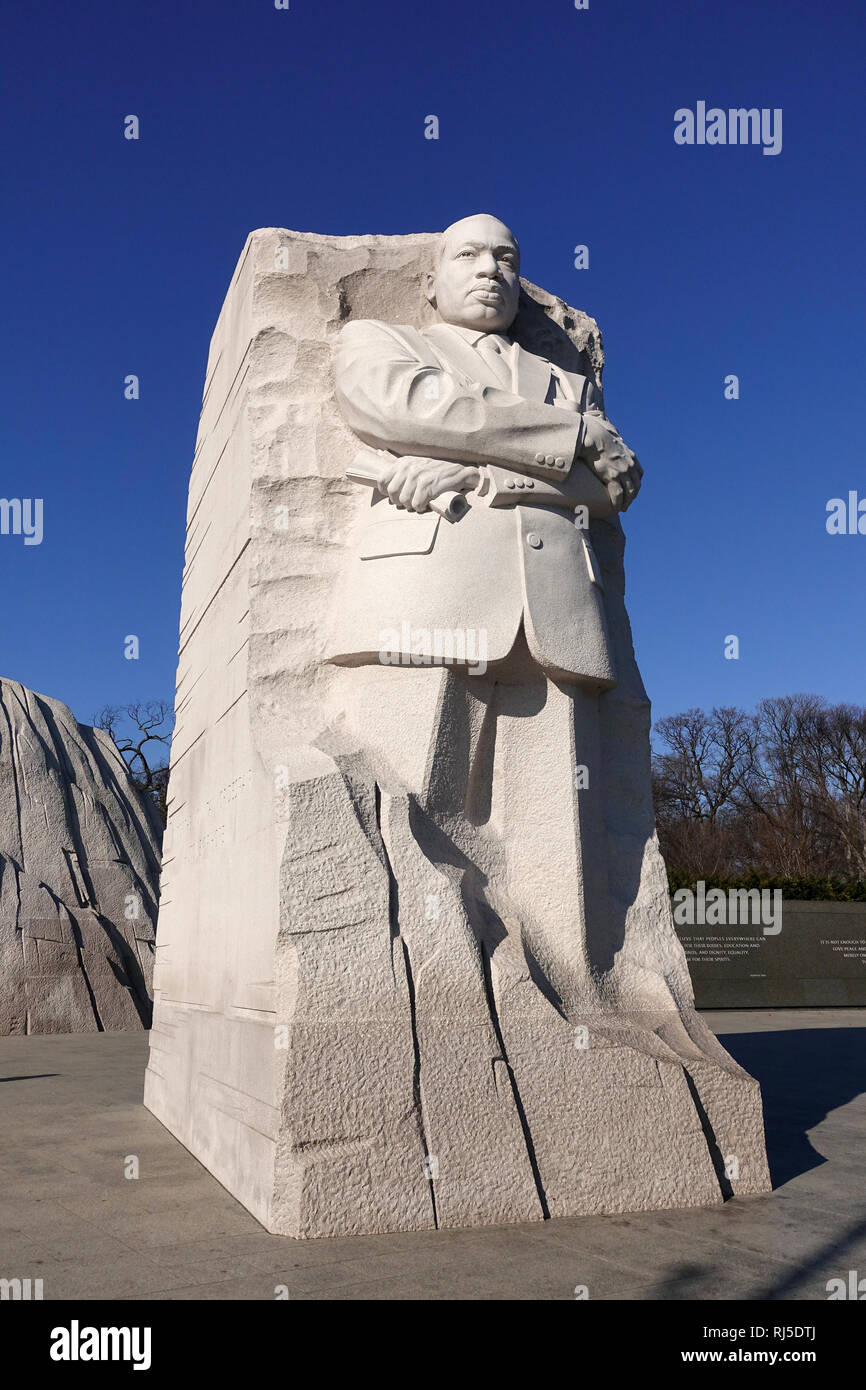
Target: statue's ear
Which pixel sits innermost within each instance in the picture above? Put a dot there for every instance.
(430, 287)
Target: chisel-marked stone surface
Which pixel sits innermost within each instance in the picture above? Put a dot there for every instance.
(79, 868)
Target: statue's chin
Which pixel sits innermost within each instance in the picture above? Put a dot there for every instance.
(483, 318)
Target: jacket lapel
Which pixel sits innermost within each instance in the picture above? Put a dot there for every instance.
(532, 373)
(533, 379)
(577, 385)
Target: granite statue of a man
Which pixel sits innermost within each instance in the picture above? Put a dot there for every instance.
(496, 710)
(514, 582)
(418, 964)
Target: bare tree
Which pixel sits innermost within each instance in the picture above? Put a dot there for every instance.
(781, 792)
(843, 738)
(133, 728)
(782, 788)
(699, 777)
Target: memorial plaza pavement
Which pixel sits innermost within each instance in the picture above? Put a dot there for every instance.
(73, 1121)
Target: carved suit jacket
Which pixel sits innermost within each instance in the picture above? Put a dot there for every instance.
(517, 554)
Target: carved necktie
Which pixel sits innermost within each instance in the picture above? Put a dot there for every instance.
(496, 352)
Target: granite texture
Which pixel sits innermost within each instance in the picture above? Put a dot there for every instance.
(79, 869)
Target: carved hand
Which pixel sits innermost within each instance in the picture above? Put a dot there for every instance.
(611, 459)
(412, 482)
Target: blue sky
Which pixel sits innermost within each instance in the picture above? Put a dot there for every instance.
(704, 261)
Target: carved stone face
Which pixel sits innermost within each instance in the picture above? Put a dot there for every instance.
(477, 282)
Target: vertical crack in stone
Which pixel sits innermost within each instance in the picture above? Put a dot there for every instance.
(416, 1077)
(59, 822)
(78, 941)
(14, 764)
(146, 825)
(716, 1155)
(134, 982)
(65, 781)
(79, 944)
(518, 1103)
(393, 917)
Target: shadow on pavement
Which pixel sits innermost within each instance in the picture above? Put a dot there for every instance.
(804, 1073)
(35, 1076)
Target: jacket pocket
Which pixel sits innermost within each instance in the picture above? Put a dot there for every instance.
(402, 533)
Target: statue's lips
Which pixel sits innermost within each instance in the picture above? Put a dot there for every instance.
(489, 296)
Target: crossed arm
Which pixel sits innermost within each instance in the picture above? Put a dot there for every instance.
(444, 430)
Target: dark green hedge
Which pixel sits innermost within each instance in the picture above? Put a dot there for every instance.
(832, 890)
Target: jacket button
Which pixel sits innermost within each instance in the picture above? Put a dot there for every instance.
(560, 463)
(549, 460)
(534, 540)
(509, 482)
(530, 482)
(521, 483)
(539, 458)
